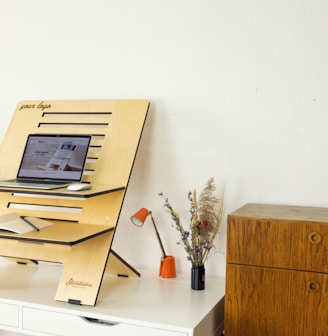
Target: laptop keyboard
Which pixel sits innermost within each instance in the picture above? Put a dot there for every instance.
(41, 182)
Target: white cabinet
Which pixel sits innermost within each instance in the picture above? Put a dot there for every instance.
(9, 315)
(54, 323)
(146, 306)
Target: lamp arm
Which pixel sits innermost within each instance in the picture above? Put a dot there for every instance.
(158, 237)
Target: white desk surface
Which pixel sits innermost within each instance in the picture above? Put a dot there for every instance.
(148, 300)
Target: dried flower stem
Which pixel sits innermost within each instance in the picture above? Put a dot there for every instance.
(206, 216)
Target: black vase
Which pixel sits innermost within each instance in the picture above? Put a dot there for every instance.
(198, 277)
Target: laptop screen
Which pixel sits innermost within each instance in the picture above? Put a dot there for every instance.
(54, 157)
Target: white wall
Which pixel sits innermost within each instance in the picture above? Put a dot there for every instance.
(237, 91)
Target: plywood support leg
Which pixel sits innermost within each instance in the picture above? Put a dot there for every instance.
(83, 271)
(117, 266)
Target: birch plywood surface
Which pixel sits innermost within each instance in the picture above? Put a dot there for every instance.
(87, 218)
(115, 126)
(59, 233)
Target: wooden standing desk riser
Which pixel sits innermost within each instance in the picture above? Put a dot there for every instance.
(84, 222)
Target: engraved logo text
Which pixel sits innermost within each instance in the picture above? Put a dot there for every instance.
(78, 283)
(41, 106)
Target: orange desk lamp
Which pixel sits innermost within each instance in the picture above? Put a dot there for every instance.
(167, 265)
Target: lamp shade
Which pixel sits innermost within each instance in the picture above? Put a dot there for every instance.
(140, 217)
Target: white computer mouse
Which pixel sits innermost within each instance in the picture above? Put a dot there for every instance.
(79, 186)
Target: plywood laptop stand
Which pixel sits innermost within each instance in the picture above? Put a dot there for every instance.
(84, 222)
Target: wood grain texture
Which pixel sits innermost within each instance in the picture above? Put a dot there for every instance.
(276, 279)
(86, 222)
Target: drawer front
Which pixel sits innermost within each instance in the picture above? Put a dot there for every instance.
(9, 315)
(271, 302)
(290, 244)
(55, 323)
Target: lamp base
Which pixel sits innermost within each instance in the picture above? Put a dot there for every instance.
(167, 267)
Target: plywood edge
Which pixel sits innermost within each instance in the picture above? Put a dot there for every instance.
(118, 266)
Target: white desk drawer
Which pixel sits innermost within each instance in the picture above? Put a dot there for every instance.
(54, 323)
(9, 315)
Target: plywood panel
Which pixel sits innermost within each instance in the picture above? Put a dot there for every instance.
(116, 127)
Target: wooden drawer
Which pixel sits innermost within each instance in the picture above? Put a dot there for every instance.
(279, 236)
(271, 302)
(9, 315)
(54, 323)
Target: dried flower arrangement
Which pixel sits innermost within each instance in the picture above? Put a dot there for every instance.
(206, 215)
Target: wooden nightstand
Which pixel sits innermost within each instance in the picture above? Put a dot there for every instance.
(277, 271)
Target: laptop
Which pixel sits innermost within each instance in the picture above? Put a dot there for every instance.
(51, 161)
